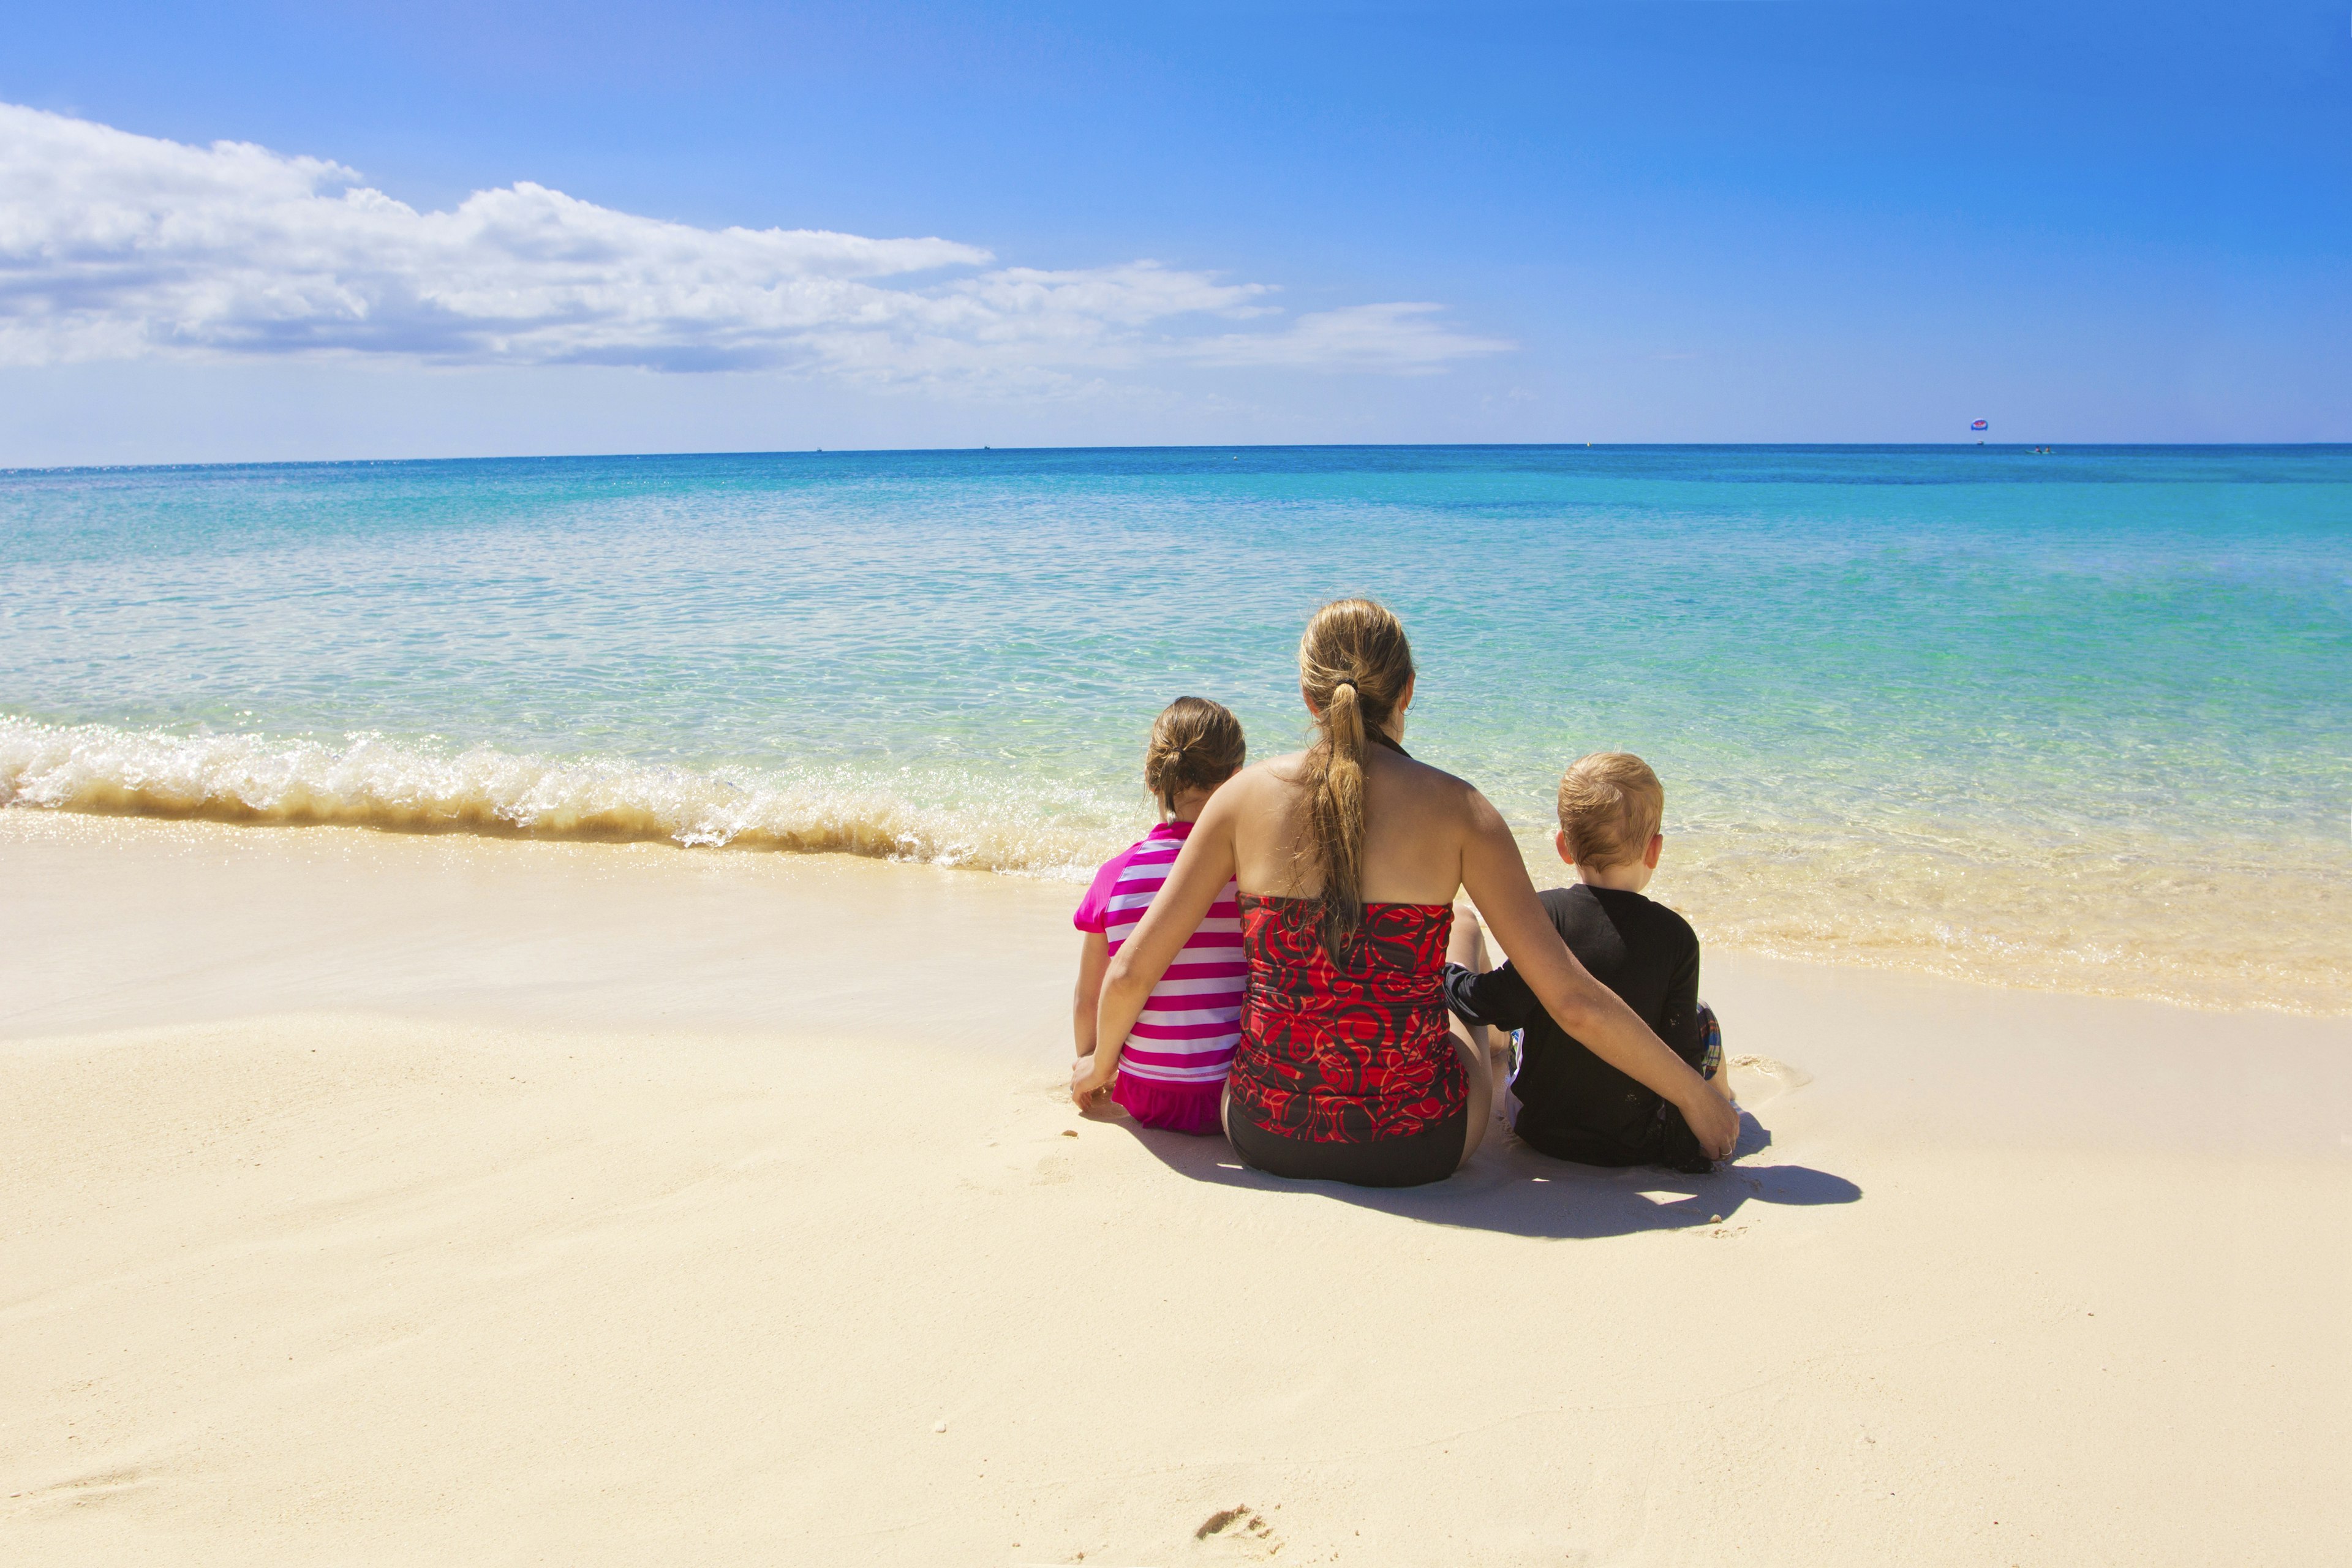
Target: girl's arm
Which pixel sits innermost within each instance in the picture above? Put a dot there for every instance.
(1093, 958)
(1496, 877)
(1203, 869)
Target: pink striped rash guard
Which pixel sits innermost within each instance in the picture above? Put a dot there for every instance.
(1192, 1021)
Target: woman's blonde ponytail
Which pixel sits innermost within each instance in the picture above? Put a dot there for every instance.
(1354, 668)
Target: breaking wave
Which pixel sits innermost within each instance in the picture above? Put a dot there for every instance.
(2119, 913)
(370, 782)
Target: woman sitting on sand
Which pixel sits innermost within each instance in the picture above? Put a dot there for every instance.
(1348, 857)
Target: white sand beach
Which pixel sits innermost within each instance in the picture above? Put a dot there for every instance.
(368, 1198)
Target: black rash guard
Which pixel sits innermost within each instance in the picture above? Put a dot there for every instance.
(1573, 1105)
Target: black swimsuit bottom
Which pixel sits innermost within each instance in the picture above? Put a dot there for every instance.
(1412, 1161)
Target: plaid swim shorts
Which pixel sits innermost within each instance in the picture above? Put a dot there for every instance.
(1710, 1060)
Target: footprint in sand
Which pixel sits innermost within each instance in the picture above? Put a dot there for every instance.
(1759, 1081)
(1243, 1527)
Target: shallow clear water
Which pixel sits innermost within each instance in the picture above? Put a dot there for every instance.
(2073, 720)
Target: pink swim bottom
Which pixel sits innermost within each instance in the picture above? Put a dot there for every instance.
(1176, 1107)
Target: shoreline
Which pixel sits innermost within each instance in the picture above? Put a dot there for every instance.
(529, 934)
(18, 822)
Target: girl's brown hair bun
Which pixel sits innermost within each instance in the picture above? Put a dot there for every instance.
(1195, 745)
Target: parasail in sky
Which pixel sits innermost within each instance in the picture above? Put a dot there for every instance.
(1980, 425)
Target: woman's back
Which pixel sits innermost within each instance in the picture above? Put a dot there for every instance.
(1414, 818)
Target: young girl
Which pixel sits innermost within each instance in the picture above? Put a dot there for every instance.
(1172, 1066)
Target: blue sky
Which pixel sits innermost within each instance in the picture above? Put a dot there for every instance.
(1657, 221)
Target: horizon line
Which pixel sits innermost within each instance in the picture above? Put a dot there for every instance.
(2052, 447)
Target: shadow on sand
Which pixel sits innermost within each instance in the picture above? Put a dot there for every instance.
(1510, 1189)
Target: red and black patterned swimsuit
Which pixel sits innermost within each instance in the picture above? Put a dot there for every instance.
(1355, 1052)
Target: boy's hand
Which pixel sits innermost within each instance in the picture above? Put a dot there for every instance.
(1087, 1089)
(1713, 1121)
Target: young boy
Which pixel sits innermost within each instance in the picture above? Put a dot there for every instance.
(1567, 1103)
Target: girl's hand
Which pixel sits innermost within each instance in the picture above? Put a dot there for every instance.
(1086, 1088)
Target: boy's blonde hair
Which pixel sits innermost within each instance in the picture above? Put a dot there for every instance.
(1609, 808)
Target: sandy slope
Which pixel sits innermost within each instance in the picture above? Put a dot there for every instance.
(381, 1200)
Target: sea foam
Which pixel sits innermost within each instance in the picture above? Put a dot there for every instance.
(368, 781)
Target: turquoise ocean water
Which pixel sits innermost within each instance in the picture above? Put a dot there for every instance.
(2073, 720)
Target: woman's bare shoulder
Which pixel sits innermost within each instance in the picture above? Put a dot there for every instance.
(1433, 783)
(1434, 788)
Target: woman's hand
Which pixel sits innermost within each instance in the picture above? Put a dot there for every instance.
(1497, 878)
(1714, 1122)
(1203, 869)
(1087, 1087)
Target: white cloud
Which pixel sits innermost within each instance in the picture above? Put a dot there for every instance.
(114, 246)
